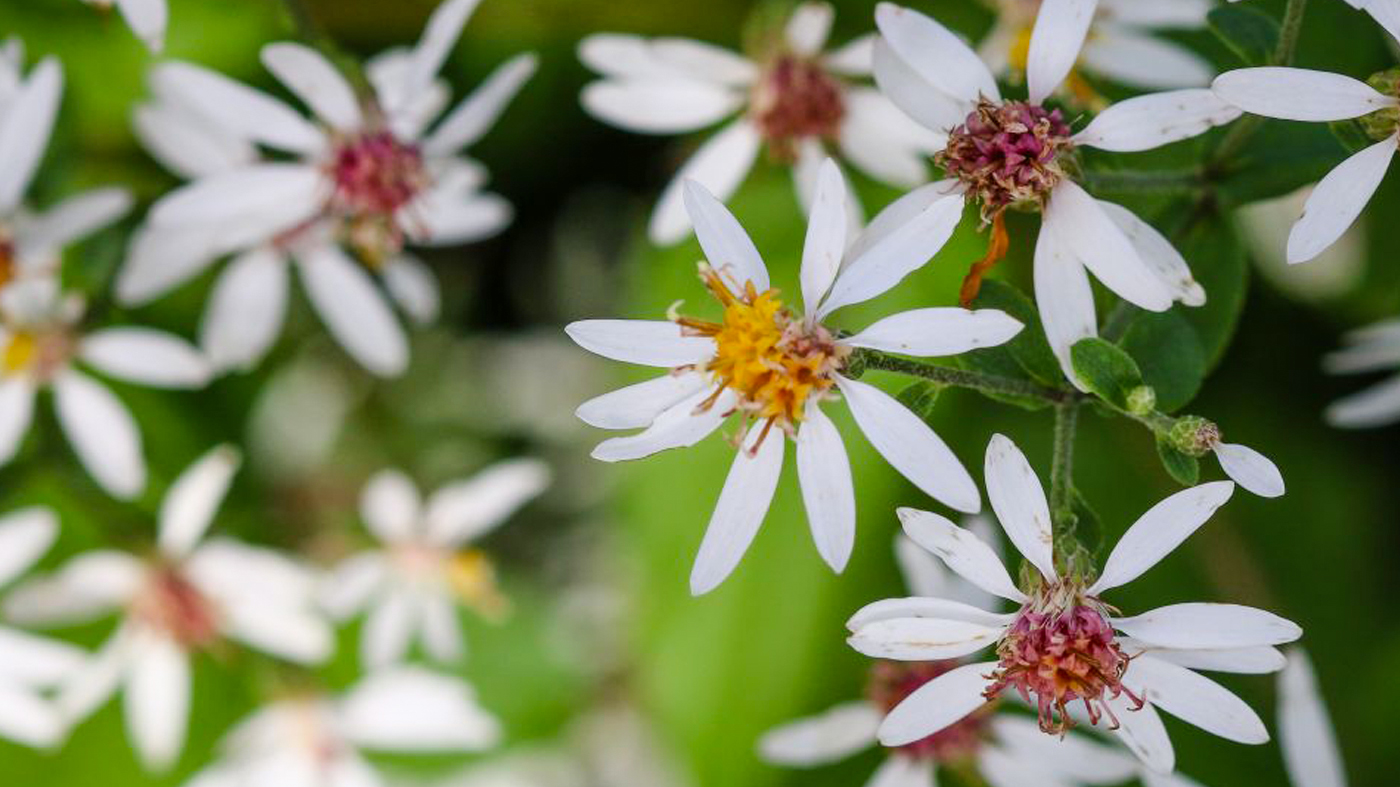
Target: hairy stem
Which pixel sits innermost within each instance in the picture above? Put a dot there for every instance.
(963, 378)
(1289, 30)
(1183, 181)
(1062, 470)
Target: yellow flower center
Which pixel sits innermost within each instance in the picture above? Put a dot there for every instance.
(472, 577)
(19, 352)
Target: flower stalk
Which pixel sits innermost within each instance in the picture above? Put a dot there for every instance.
(959, 378)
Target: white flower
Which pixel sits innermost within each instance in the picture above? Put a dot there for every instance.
(40, 343)
(146, 18)
(1120, 45)
(1003, 153)
(775, 368)
(315, 741)
(30, 665)
(1305, 732)
(795, 97)
(1122, 668)
(413, 585)
(1370, 349)
(359, 181)
(188, 596)
(1320, 96)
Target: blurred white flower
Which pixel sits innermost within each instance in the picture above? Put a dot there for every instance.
(1340, 268)
(1305, 732)
(146, 18)
(413, 584)
(40, 343)
(316, 741)
(351, 188)
(775, 368)
(29, 665)
(1370, 349)
(187, 596)
(1120, 669)
(794, 97)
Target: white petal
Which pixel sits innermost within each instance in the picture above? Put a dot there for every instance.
(939, 331)
(1001, 769)
(476, 114)
(390, 506)
(1336, 202)
(220, 568)
(465, 510)
(158, 701)
(1207, 626)
(413, 710)
(33, 662)
(294, 191)
(678, 426)
(188, 145)
(1250, 469)
(25, 535)
(727, 247)
(159, 259)
(296, 635)
(95, 682)
(742, 504)
(1299, 94)
(883, 142)
(853, 58)
(88, 587)
(900, 771)
(937, 704)
(71, 220)
(246, 310)
(451, 216)
(387, 630)
(439, 35)
(1151, 121)
(102, 433)
(720, 165)
(1064, 297)
(147, 357)
(657, 106)
(147, 19)
(886, 262)
(1129, 57)
(636, 406)
(1156, 533)
(1195, 699)
(915, 96)
(808, 27)
(827, 491)
(646, 342)
(189, 505)
(314, 80)
(915, 607)
(963, 552)
(1378, 405)
(1385, 12)
(1078, 757)
(935, 53)
(353, 310)
(1305, 732)
(1144, 734)
(27, 718)
(1245, 661)
(827, 737)
(348, 587)
(826, 235)
(924, 574)
(910, 446)
(922, 639)
(898, 213)
(24, 130)
(1060, 29)
(1019, 500)
(440, 631)
(1159, 254)
(1086, 230)
(1180, 14)
(414, 288)
(621, 55)
(237, 108)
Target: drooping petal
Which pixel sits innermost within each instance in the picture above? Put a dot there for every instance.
(963, 552)
(147, 357)
(1195, 699)
(938, 331)
(827, 737)
(479, 111)
(935, 53)
(1143, 732)
(158, 700)
(25, 535)
(1019, 500)
(1159, 531)
(464, 510)
(1151, 121)
(1129, 57)
(237, 108)
(660, 106)
(937, 704)
(1309, 743)
(742, 504)
(827, 489)
(1060, 29)
(679, 426)
(246, 309)
(1086, 230)
(646, 342)
(1250, 469)
(1299, 94)
(190, 504)
(825, 243)
(24, 130)
(728, 248)
(922, 639)
(636, 406)
(1336, 201)
(910, 446)
(102, 433)
(309, 75)
(1159, 254)
(1207, 626)
(720, 165)
(353, 310)
(1065, 299)
(390, 506)
(410, 709)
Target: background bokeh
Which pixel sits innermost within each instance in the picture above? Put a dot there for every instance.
(597, 569)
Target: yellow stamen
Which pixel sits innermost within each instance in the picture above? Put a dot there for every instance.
(473, 579)
(19, 353)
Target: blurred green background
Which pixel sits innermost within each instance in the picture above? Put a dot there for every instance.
(598, 568)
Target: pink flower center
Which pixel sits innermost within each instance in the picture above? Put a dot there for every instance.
(1007, 154)
(891, 682)
(1061, 657)
(375, 175)
(795, 99)
(171, 603)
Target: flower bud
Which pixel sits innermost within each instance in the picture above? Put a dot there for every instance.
(1383, 123)
(1193, 435)
(1142, 400)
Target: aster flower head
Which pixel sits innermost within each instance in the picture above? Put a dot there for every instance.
(1005, 153)
(425, 567)
(191, 594)
(146, 18)
(339, 196)
(1374, 348)
(774, 369)
(1066, 651)
(791, 96)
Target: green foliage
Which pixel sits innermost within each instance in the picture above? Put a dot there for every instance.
(1029, 352)
(920, 397)
(1280, 158)
(1184, 469)
(1108, 371)
(1168, 352)
(1249, 33)
(1220, 264)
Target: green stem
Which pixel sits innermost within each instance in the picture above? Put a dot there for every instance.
(1289, 30)
(963, 378)
(1185, 181)
(1062, 470)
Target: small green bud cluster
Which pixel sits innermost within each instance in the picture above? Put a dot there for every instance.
(1193, 435)
(1383, 123)
(1142, 400)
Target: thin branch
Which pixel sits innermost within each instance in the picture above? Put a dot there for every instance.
(1062, 470)
(963, 378)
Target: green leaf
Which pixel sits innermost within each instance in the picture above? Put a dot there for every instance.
(1352, 136)
(1183, 469)
(1106, 369)
(1248, 32)
(920, 397)
(1279, 159)
(1220, 264)
(1168, 352)
(1030, 350)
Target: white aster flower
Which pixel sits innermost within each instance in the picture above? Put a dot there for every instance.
(30, 665)
(316, 741)
(41, 342)
(1305, 732)
(775, 368)
(1120, 46)
(414, 583)
(344, 195)
(1121, 669)
(795, 97)
(1370, 349)
(1320, 96)
(1003, 153)
(146, 18)
(188, 596)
